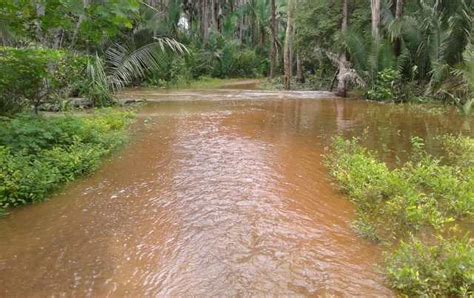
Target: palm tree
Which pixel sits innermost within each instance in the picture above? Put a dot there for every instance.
(123, 63)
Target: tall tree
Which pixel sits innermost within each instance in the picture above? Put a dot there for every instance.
(397, 46)
(288, 45)
(376, 10)
(273, 39)
(205, 21)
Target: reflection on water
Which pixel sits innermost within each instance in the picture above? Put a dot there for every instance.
(213, 198)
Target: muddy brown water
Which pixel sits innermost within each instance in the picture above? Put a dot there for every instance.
(219, 193)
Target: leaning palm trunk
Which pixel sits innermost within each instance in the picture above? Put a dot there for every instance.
(342, 63)
(341, 76)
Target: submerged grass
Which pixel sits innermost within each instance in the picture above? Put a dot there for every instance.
(39, 154)
(424, 198)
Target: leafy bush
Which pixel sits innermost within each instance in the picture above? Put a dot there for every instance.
(445, 269)
(39, 154)
(423, 192)
(232, 61)
(248, 64)
(31, 76)
(425, 196)
(385, 86)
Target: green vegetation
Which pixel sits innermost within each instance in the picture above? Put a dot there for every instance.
(424, 46)
(392, 50)
(386, 50)
(29, 76)
(39, 154)
(444, 269)
(203, 83)
(423, 197)
(384, 87)
(123, 43)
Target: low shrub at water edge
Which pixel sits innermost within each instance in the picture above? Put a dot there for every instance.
(424, 198)
(445, 269)
(39, 154)
(425, 192)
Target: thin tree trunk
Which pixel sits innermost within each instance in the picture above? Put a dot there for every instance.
(241, 24)
(397, 47)
(287, 48)
(213, 15)
(299, 69)
(85, 5)
(220, 17)
(205, 21)
(342, 84)
(40, 12)
(273, 40)
(376, 7)
(399, 10)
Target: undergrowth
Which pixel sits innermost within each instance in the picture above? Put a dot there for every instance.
(39, 154)
(424, 198)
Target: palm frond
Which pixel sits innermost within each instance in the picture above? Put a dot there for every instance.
(124, 63)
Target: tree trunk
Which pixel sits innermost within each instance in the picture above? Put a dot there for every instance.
(273, 40)
(85, 5)
(287, 48)
(205, 21)
(299, 70)
(213, 15)
(40, 10)
(397, 46)
(342, 65)
(376, 7)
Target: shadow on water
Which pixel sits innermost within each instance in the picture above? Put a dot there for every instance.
(214, 197)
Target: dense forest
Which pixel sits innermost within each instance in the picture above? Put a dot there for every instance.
(390, 50)
(65, 63)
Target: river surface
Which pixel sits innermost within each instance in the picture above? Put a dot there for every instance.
(219, 193)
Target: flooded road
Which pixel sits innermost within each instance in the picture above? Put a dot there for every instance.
(219, 193)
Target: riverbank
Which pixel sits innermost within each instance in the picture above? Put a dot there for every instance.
(39, 154)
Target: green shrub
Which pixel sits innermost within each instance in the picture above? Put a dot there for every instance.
(32, 76)
(459, 150)
(37, 154)
(426, 197)
(233, 61)
(386, 86)
(423, 192)
(442, 270)
(248, 64)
